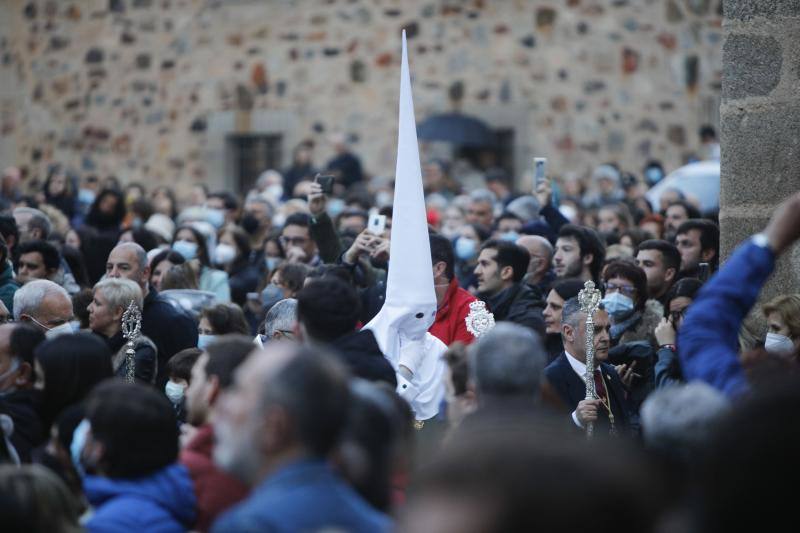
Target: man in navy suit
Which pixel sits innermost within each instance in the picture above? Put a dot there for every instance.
(567, 372)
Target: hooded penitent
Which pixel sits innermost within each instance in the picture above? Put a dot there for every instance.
(401, 326)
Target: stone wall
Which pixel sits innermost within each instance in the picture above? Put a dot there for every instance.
(760, 115)
(146, 89)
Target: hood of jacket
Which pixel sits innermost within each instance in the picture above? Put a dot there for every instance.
(169, 488)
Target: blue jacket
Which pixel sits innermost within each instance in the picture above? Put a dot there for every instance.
(163, 502)
(303, 496)
(708, 339)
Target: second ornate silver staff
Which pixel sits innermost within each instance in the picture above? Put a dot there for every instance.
(589, 299)
(131, 327)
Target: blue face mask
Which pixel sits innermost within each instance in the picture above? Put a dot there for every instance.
(618, 306)
(78, 442)
(204, 340)
(653, 175)
(187, 249)
(215, 217)
(510, 236)
(271, 295)
(271, 263)
(465, 248)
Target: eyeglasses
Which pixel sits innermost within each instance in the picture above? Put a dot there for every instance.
(294, 241)
(627, 290)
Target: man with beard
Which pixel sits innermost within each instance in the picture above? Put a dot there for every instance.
(698, 242)
(579, 253)
(610, 411)
(501, 267)
(275, 429)
(212, 375)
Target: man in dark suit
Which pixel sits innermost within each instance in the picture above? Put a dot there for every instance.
(566, 373)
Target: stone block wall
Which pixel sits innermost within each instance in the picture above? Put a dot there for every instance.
(760, 130)
(131, 87)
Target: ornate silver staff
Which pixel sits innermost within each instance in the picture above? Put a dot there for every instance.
(131, 327)
(589, 298)
(479, 320)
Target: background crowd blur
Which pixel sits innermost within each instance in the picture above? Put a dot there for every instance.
(252, 351)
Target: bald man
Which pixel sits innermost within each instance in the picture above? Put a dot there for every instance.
(539, 276)
(170, 328)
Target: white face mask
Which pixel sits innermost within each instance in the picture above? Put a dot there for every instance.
(224, 254)
(63, 329)
(777, 343)
(174, 391)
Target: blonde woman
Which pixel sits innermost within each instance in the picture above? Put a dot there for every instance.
(111, 297)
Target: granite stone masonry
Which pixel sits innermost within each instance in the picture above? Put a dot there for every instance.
(760, 124)
(580, 81)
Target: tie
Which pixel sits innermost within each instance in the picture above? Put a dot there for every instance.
(599, 386)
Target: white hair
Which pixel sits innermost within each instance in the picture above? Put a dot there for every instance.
(281, 317)
(680, 418)
(119, 292)
(29, 298)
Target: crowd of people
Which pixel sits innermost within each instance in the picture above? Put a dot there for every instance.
(254, 399)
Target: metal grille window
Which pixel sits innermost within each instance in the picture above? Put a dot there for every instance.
(252, 154)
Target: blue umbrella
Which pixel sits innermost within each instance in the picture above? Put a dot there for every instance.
(457, 129)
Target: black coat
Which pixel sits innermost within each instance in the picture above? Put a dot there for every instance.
(170, 328)
(571, 389)
(362, 355)
(243, 278)
(28, 430)
(520, 305)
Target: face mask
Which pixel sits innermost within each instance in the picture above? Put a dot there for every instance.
(278, 220)
(174, 391)
(63, 329)
(271, 262)
(653, 175)
(510, 236)
(224, 254)
(271, 295)
(777, 343)
(250, 223)
(85, 196)
(204, 340)
(465, 248)
(215, 217)
(335, 207)
(136, 223)
(275, 192)
(188, 250)
(618, 305)
(78, 442)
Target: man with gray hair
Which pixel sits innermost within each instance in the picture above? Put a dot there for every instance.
(611, 412)
(540, 276)
(506, 364)
(281, 320)
(32, 224)
(45, 305)
(678, 420)
(275, 429)
(481, 207)
(168, 326)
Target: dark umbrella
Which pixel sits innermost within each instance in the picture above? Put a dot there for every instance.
(457, 129)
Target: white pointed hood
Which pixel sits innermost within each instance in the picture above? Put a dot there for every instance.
(410, 305)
